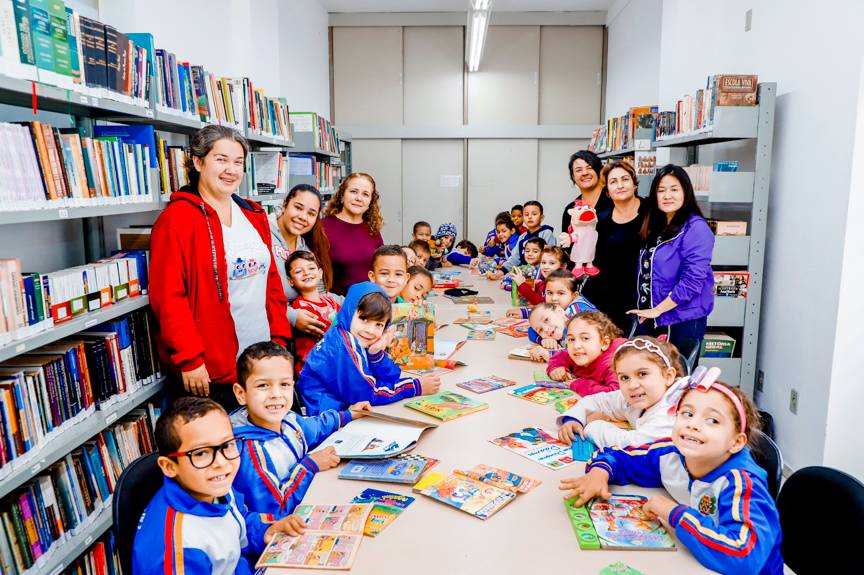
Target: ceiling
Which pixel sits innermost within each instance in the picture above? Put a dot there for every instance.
(462, 5)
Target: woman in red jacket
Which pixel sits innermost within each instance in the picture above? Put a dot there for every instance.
(213, 285)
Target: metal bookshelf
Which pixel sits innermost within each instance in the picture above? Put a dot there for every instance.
(62, 554)
(740, 252)
(646, 138)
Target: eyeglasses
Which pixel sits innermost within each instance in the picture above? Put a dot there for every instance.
(203, 457)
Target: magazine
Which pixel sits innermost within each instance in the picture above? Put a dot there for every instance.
(537, 445)
(406, 468)
(485, 384)
(387, 507)
(621, 523)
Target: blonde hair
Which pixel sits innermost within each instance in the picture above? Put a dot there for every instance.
(372, 216)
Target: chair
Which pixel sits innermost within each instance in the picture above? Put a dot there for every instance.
(767, 455)
(817, 539)
(137, 485)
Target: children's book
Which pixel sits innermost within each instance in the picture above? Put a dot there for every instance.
(542, 379)
(413, 345)
(446, 349)
(473, 326)
(437, 370)
(563, 405)
(465, 493)
(501, 478)
(333, 535)
(516, 330)
(446, 405)
(387, 507)
(469, 299)
(539, 394)
(405, 469)
(480, 317)
(537, 445)
(507, 321)
(522, 353)
(621, 523)
(376, 436)
(582, 449)
(481, 334)
(485, 384)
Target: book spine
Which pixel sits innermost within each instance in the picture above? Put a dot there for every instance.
(23, 28)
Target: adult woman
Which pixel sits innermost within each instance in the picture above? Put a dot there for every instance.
(213, 286)
(299, 228)
(676, 283)
(353, 225)
(618, 242)
(584, 168)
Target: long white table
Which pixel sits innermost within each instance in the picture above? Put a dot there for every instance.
(530, 536)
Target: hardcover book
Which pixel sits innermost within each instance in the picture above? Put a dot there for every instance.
(413, 344)
(405, 469)
(446, 405)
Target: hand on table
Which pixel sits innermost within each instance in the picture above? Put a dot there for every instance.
(595, 483)
(514, 312)
(325, 459)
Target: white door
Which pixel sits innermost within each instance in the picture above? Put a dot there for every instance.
(432, 184)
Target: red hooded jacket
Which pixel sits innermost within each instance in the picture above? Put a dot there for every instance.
(189, 287)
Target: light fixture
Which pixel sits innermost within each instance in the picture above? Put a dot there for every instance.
(478, 22)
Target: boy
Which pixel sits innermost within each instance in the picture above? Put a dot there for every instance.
(506, 237)
(445, 237)
(418, 287)
(533, 212)
(422, 232)
(196, 523)
(389, 270)
(276, 467)
(351, 364)
(422, 251)
(464, 254)
(517, 215)
(304, 274)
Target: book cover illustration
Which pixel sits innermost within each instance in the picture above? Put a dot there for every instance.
(621, 523)
(480, 317)
(521, 353)
(481, 334)
(446, 405)
(472, 326)
(376, 436)
(485, 384)
(516, 330)
(563, 405)
(413, 344)
(731, 284)
(542, 379)
(386, 508)
(464, 493)
(501, 478)
(405, 469)
(538, 446)
(541, 395)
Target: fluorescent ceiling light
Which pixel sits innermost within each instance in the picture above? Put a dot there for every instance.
(480, 4)
(478, 22)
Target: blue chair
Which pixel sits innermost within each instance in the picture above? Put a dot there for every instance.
(137, 485)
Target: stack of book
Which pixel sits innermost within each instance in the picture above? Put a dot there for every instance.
(694, 113)
(323, 134)
(58, 504)
(619, 133)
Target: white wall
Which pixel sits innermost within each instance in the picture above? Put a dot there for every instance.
(304, 51)
(632, 54)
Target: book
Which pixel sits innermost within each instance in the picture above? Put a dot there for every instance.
(501, 478)
(618, 568)
(474, 497)
(519, 329)
(728, 228)
(620, 523)
(446, 405)
(413, 344)
(332, 538)
(480, 318)
(470, 299)
(481, 334)
(375, 436)
(539, 394)
(731, 284)
(737, 89)
(717, 345)
(386, 508)
(563, 405)
(538, 446)
(542, 379)
(522, 353)
(485, 384)
(406, 468)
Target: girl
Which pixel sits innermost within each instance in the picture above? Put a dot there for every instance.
(552, 258)
(351, 364)
(676, 282)
(353, 223)
(562, 289)
(420, 282)
(720, 508)
(506, 238)
(491, 240)
(592, 340)
(445, 237)
(647, 370)
(464, 254)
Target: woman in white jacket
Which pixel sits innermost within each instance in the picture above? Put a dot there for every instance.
(650, 378)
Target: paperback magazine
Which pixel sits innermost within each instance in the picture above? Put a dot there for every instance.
(538, 446)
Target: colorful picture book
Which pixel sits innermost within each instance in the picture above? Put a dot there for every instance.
(446, 405)
(731, 284)
(469, 299)
(485, 384)
(333, 535)
(405, 469)
(387, 507)
(466, 494)
(538, 446)
(501, 478)
(563, 405)
(376, 436)
(413, 344)
(517, 330)
(481, 334)
(541, 395)
(542, 378)
(480, 317)
(620, 523)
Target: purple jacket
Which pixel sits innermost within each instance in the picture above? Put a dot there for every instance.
(681, 269)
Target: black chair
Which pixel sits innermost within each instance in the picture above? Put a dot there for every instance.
(767, 455)
(136, 487)
(821, 541)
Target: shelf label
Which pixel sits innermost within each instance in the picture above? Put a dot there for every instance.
(63, 214)
(91, 322)
(111, 418)
(36, 467)
(20, 347)
(88, 541)
(83, 99)
(149, 113)
(94, 101)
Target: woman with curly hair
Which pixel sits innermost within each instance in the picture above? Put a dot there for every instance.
(353, 223)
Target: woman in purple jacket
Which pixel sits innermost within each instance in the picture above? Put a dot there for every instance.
(676, 282)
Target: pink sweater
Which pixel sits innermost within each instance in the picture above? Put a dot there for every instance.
(594, 378)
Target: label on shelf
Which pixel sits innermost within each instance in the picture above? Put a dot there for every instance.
(20, 347)
(63, 214)
(111, 418)
(91, 322)
(36, 468)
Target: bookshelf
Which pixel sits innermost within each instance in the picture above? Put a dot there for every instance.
(643, 142)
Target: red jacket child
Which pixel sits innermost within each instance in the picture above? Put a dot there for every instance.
(189, 287)
(534, 295)
(592, 378)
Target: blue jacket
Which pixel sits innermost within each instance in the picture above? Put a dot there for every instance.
(275, 469)
(339, 372)
(727, 518)
(681, 269)
(179, 534)
(517, 257)
(502, 251)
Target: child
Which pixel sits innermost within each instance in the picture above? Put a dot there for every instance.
(422, 232)
(196, 523)
(492, 235)
(552, 258)
(535, 229)
(592, 340)
(351, 364)
(410, 255)
(516, 214)
(421, 251)
(389, 270)
(505, 239)
(304, 275)
(533, 252)
(464, 254)
(276, 466)
(647, 370)
(724, 513)
(419, 285)
(549, 322)
(445, 237)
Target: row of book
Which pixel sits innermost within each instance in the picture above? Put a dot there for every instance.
(324, 136)
(50, 390)
(326, 175)
(33, 302)
(45, 167)
(619, 133)
(103, 558)
(695, 112)
(172, 170)
(62, 502)
(267, 115)
(48, 41)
